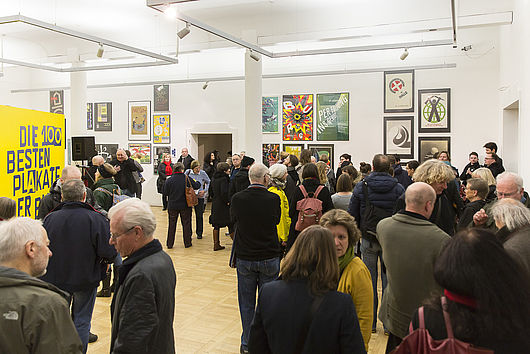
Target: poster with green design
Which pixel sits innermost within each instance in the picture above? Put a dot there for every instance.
(434, 111)
(269, 114)
(333, 116)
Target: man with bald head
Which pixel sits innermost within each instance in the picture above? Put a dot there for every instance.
(51, 200)
(410, 244)
(125, 167)
(90, 176)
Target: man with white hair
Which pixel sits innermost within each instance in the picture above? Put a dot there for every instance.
(51, 200)
(35, 315)
(144, 301)
(79, 238)
(410, 244)
(509, 185)
(255, 212)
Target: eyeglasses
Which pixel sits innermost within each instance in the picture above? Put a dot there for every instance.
(506, 195)
(114, 236)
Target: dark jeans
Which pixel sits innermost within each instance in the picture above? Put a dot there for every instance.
(185, 220)
(252, 275)
(164, 201)
(371, 252)
(82, 307)
(199, 211)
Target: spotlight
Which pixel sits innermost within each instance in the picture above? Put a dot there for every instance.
(184, 32)
(160, 88)
(254, 56)
(404, 55)
(205, 85)
(100, 50)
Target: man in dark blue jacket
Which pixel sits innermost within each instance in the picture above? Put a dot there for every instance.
(256, 212)
(399, 173)
(79, 241)
(383, 192)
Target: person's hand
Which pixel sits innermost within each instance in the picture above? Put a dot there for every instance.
(469, 172)
(480, 217)
(117, 168)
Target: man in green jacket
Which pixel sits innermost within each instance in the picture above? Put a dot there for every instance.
(410, 244)
(35, 315)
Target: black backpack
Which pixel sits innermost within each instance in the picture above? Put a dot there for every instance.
(371, 217)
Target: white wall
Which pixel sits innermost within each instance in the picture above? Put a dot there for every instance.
(474, 93)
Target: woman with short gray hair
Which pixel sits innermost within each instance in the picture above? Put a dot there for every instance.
(510, 215)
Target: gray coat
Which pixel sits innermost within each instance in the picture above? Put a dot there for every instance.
(410, 247)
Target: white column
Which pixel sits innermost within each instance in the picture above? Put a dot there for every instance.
(522, 13)
(78, 100)
(252, 138)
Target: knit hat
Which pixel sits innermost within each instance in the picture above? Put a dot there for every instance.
(247, 161)
(106, 170)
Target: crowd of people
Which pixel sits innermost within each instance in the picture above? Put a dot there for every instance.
(452, 251)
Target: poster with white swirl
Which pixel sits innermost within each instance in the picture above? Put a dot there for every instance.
(398, 136)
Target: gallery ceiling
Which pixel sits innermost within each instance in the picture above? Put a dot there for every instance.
(277, 26)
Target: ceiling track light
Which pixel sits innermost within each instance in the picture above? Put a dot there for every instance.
(184, 32)
(404, 55)
(254, 56)
(99, 54)
(205, 86)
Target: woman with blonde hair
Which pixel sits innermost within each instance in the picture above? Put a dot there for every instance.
(355, 279)
(278, 174)
(302, 312)
(323, 174)
(485, 174)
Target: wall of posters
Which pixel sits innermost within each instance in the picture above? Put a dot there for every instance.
(271, 153)
(103, 116)
(90, 116)
(332, 116)
(141, 152)
(161, 129)
(157, 156)
(398, 136)
(57, 101)
(108, 151)
(434, 111)
(398, 91)
(140, 120)
(293, 149)
(297, 117)
(161, 98)
(318, 150)
(269, 114)
(32, 155)
(430, 145)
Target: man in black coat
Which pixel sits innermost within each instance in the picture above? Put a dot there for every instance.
(494, 163)
(256, 212)
(185, 158)
(240, 181)
(143, 306)
(125, 167)
(79, 241)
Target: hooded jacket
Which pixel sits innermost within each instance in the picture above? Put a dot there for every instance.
(35, 316)
(402, 176)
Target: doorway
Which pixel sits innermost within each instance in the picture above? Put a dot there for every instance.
(510, 138)
(213, 142)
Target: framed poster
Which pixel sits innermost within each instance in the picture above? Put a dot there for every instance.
(430, 145)
(103, 116)
(297, 117)
(398, 136)
(108, 151)
(161, 129)
(157, 156)
(434, 111)
(318, 150)
(90, 116)
(269, 114)
(141, 152)
(161, 98)
(271, 153)
(293, 149)
(398, 91)
(332, 116)
(57, 101)
(140, 120)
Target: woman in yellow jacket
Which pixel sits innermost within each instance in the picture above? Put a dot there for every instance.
(278, 174)
(355, 278)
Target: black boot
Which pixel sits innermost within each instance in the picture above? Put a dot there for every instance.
(105, 291)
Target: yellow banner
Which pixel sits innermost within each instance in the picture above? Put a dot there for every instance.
(31, 155)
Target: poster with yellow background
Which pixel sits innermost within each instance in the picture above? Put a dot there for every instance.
(31, 155)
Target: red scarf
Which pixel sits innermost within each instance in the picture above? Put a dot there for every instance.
(461, 299)
(169, 170)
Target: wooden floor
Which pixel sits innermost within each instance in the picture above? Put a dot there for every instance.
(206, 310)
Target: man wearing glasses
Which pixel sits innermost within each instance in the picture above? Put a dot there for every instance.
(255, 212)
(143, 306)
(491, 161)
(509, 185)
